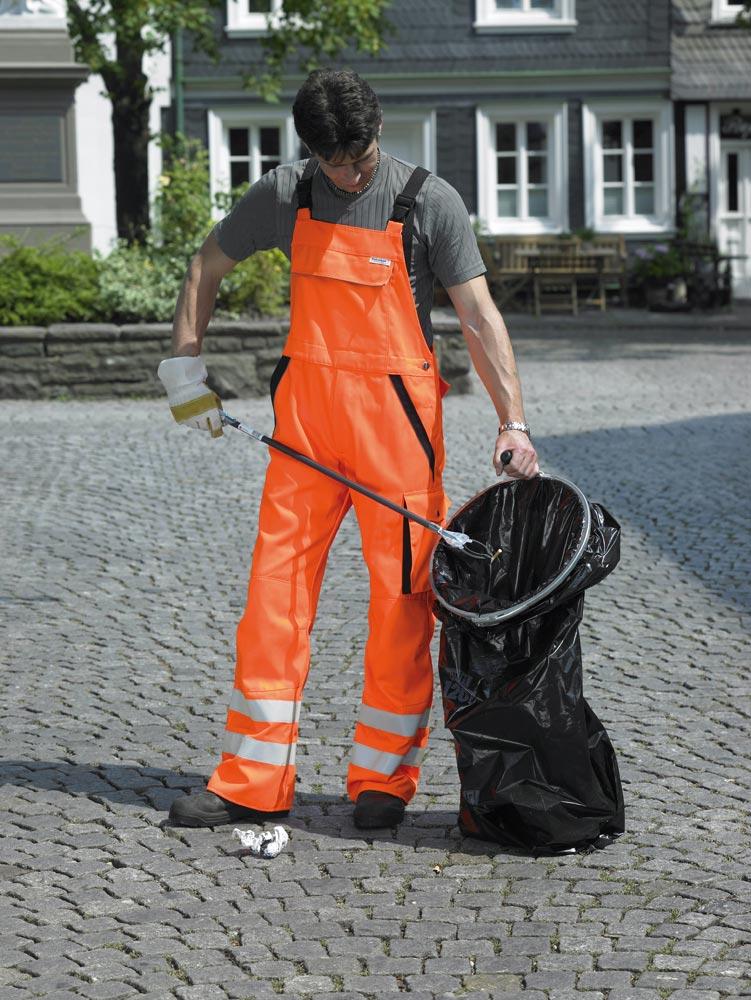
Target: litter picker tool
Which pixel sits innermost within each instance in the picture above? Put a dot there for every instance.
(456, 540)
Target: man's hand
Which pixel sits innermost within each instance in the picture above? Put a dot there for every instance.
(523, 464)
(190, 399)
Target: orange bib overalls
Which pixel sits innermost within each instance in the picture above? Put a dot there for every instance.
(358, 389)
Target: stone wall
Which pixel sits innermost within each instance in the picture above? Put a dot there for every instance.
(87, 360)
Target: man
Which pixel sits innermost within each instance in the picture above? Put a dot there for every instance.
(357, 388)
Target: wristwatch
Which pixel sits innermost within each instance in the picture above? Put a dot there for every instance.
(515, 425)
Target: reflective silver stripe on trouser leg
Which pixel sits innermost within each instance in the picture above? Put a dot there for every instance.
(283, 710)
(393, 722)
(263, 751)
(383, 762)
(265, 709)
(396, 724)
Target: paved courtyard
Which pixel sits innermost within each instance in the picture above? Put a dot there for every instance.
(126, 544)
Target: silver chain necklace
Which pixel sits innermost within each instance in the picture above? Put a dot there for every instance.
(349, 195)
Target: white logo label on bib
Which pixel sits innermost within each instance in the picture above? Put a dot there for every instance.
(381, 260)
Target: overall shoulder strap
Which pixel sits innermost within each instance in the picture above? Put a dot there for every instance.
(404, 210)
(305, 185)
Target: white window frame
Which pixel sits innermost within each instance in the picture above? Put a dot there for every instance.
(555, 115)
(242, 23)
(724, 12)
(662, 220)
(426, 120)
(489, 19)
(221, 120)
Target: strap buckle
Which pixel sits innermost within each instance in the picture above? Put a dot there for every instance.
(403, 205)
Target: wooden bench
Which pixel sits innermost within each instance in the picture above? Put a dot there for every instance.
(554, 269)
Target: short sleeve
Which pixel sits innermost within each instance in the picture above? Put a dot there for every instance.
(253, 222)
(453, 253)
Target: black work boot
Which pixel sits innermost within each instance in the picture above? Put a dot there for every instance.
(207, 809)
(374, 809)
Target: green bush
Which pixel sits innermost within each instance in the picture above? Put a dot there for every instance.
(47, 283)
(141, 282)
(659, 262)
(257, 286)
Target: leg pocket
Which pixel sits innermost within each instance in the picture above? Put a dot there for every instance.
(418, 542)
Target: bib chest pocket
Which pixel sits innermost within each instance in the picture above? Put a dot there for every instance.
(338, 300)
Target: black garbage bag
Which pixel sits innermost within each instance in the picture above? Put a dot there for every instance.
(536, 766)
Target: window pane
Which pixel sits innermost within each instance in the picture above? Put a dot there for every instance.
(506, 170)
(507, 203)
(644, 200)
(259, 6)
(732, 182)
(238, 173)
(643, 133)
(267, 165)
(505, 137)
(643, 163)
(612, 135)
(508, 4)
(613, 201)
(543, 5)
(538, 202)
(537, 135)
(238, 142)
(613, 168)
(269, 142)
(537, 169)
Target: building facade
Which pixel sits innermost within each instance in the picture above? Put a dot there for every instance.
(548, 116)
(56, 146)
(39, 190)
(711, 91)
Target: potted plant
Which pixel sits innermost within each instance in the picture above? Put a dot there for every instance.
(661, 270)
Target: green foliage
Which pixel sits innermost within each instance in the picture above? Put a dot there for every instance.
(140, 26)
(141, 282)
(322, 29)
(660, 262)
(259, 285)
(46, 283)
(182, 207)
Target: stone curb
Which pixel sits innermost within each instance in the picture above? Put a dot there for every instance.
(103, 360)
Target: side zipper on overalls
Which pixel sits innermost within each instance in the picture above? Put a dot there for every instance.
(276, 377)
(414, 418)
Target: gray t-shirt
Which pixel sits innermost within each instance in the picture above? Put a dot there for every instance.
(444, 243)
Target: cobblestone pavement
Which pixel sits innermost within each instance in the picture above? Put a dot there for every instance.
(125, 559)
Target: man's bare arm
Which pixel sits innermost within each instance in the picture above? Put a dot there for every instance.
(197, 298)
(493, 357)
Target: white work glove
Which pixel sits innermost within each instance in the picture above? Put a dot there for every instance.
(190, 399)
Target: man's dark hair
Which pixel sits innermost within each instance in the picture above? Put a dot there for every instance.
(336, 111)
